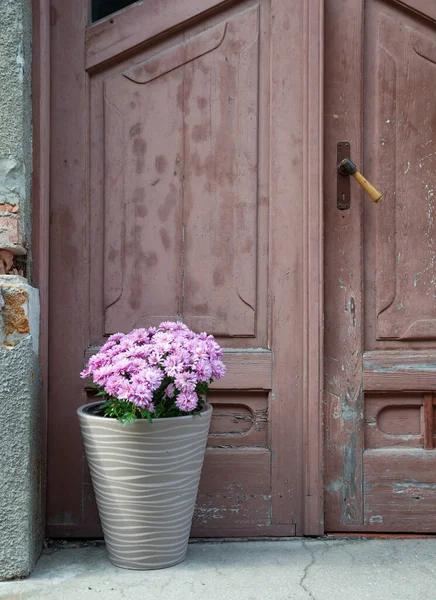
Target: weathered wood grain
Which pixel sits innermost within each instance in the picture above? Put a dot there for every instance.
(235, 491)
(286, 269)
(427, 418)
(399, 370)
(400, 489)
(130, 28)
(343, 269)
(239, 419)
(68, 247)
(313, 267)
(393, 420)
(41, 203)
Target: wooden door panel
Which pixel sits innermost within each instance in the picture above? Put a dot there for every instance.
(381, 309)
(138, 24)
(158, 195)
(399, 420)
(234, 503)
(400, 491)
(163, 190)
(407, 370)
(403, 152)
(393, 420)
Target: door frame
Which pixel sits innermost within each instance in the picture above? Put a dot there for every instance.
(297, 45)
(40, 275)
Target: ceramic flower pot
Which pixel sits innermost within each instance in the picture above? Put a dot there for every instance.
(145, 478)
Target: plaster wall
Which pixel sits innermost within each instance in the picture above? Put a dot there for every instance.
(21, 526)
(15, 125)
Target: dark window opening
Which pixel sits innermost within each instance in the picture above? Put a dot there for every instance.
(103, 8)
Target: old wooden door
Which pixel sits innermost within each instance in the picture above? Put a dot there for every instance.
(179, 130)
(380, 268)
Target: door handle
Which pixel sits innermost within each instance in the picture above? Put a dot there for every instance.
(346, 167)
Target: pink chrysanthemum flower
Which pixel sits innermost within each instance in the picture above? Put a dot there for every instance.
(121, 365)
(203, 370)
(169, 391)
(139, 336)
(116, 337)
(172, 365)
(102, 374)
(163, 347)
(114, 384)
(141, 395)
(154, 377)
(155, 358)
(125, 390)
(187, 401)
(167, 325)
(218, 369)
(186, 381)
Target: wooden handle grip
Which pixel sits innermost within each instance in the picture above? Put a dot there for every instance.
(372, 192)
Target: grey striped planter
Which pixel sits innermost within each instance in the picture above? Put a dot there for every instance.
(145, 478)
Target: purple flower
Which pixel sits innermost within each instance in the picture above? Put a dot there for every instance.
(186, 381)
(125, 390)
(203, 369)
(218, 369)
(167, 325)
(173, 326)
(169, 392)
(122, 365)
(138, 352)
(183, 355)
(163, 347)
(114, 384)
(139, 336)
(154, 377)
(201, 351)
(126, 343)
(97, 361)
(187, 401)
(154, 358)
(163, 337)
(116, 337)
(101, 375)
(141, 395)
(172, 365)
(85, 373)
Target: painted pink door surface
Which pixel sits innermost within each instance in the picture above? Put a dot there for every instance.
(380, 269)
(173, 157)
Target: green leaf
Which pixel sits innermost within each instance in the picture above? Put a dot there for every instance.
(128, 419)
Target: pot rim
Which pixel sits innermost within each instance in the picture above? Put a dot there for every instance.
(84, 411)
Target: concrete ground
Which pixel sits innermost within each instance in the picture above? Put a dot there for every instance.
(351, 569)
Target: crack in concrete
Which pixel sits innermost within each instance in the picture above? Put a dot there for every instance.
(302, 582)
(327, 548)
